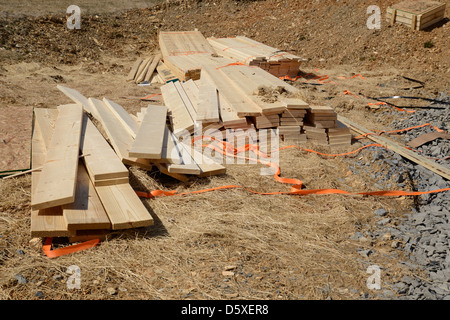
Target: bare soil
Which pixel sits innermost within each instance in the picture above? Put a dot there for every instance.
(277, 246)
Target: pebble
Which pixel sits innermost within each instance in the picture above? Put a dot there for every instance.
(112, 291)
(39, 294)
(424, 232)
(380, 212)
(20, 279)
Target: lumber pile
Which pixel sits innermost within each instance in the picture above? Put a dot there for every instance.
(253, 53)
(80, 182)
(73, 196)
(230, 95)
(146, 70)
(152, 136)
(417, 15)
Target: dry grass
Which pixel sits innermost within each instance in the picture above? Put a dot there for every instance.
(278, 247)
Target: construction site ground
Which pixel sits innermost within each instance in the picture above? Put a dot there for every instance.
(228, 244)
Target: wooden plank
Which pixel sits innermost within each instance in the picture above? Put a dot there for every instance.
(87, 211)
(187, 102)
(150, 135)
(165, 73)
(179, 116)
(163, 169)
(152, 67)
(192, 92)
(124, 208)
(208, 103)
(426, 163)
(189, 166)
(142, 71)
(77, 97)
(45, 119)
(109, 182)
(45, 222)
(132, 74)
(119, 137)
(101, 161)
(57, 183)
(122, 116)
(239, 100)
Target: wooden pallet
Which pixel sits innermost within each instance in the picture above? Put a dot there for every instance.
(417, 15)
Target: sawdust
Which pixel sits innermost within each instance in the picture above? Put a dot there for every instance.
(272, 94)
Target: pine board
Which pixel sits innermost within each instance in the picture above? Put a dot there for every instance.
(57, 182)
(101, 161)
(45, 222)
(124, 208)
(122, 116)
(150, 135)
(87, 211)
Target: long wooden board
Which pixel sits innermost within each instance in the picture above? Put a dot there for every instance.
(77, 97)
(124, 208)
(45, 222)
(101, 161)
(86, 212)
(429, 164)
(179, 116)
(150, 135)
(208, 104)
(132, 74)
(57, 182)
(122, 116)
(234, 96)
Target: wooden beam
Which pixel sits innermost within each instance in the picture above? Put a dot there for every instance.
(208, 103)
(122, 116)
(165, 73)
(150, 135)
(87, 211)
(179, 116)
(124, 208)
(101, 161)
(77, 97)
(132, 74)
(426, 163)
(152, 67)
(57, 182)
(45, 222)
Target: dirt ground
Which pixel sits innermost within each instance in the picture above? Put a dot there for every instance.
(228, 244)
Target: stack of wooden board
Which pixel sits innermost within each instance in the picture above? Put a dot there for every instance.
(253, 53)
(143, 70)
(73, 196)
(321, 126)
(129, 135)
(230, 94)
(316, 135)
(267, 121)
(417, 15)
(181, 51)
(339, 136)
(321, 117)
